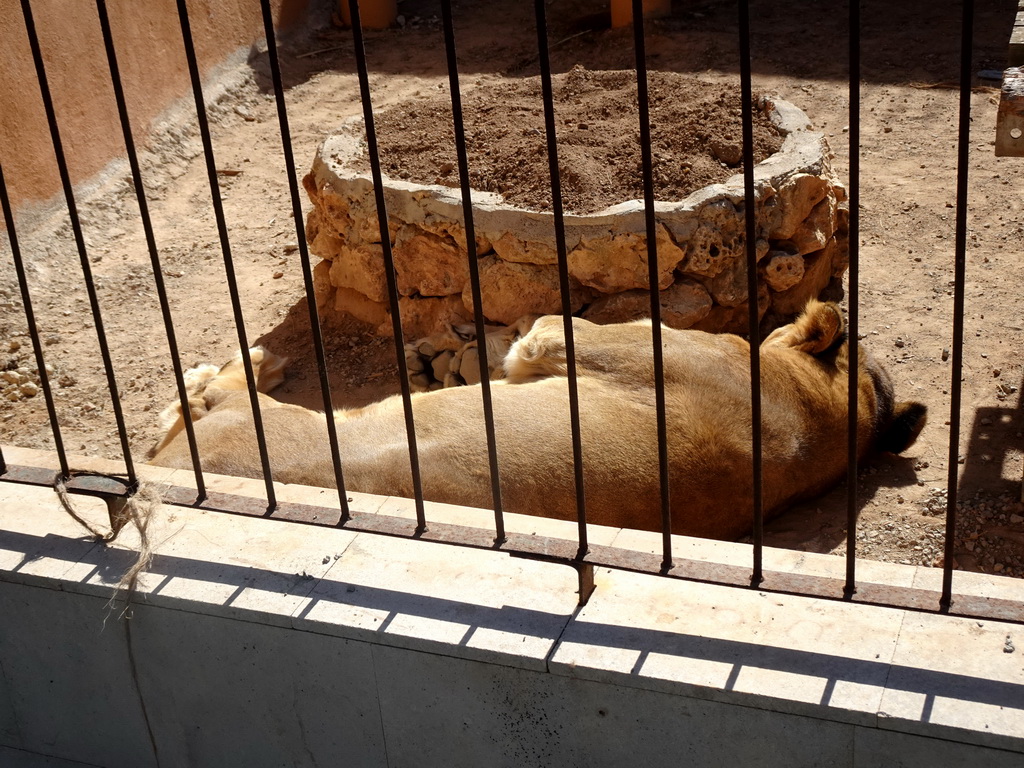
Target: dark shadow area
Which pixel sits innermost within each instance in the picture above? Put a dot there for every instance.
(819, 525)
(994, 433)
(912, 42)
(361, 365)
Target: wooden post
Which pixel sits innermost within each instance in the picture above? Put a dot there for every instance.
(1010, 117)
(622, 11)
(374, 14)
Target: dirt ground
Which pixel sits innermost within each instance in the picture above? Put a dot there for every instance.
(908, 177)
(696, 131)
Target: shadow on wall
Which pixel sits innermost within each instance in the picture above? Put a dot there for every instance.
(833, 669)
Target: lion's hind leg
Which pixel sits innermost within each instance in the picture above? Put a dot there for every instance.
(819, 328)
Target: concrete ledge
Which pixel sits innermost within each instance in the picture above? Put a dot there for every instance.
(256, 642)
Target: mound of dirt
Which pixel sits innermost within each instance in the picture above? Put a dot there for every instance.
(696, 138)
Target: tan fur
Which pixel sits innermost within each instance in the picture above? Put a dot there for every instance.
(207, 385)
(804, 380)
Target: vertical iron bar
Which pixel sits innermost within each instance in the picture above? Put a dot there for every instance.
(563, 275)
(963, 165)
(652, 270)
(853, 283)
(229, 268)
(474, 268)
(154, 256)
(307, 274)
(76, 228)
(389, 262)
(30, 319)
(750, 219)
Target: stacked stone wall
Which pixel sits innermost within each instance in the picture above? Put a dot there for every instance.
(801, 225)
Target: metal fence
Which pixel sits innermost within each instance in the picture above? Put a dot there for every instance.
(579, 553)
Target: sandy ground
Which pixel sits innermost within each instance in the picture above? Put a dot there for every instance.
(909, 162)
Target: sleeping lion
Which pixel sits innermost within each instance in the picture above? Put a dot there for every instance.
(707, 387)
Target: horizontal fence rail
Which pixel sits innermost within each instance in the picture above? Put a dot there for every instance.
(580, 554)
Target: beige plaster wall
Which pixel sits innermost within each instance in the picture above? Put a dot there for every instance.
(153, 69)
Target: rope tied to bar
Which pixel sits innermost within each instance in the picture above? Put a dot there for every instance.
(136, 507)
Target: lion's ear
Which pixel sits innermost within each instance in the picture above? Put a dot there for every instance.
(819, 328)
(908, 420)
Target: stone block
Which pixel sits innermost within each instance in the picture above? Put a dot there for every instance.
(322, 287)
(619, 262)
(817, 274)
(795, 200)
(358, 306)
(198, 673)
(682, 304)
(361, 269)
(806, 662)
(783, 270)
(729, 287)
(840, 254)
(423, 316)
(324, 241)
(77, 698)
(814, 232)
(455, 231)
(510, 290)
(722, 319)
(937, 688)
(511, 248)
(428, 265)
(717, 241)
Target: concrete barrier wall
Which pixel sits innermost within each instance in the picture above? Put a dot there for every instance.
(259, 643)
(153, 69)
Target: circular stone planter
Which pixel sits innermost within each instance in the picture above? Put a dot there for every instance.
(801, 244)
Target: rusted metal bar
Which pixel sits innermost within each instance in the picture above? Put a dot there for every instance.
(225, 244)
(585, 573)
(33, 330)
(474, 267)
(853, 297)
(76, 228)
(959, 288)
(389, 261)
(754, 319)
(307, 273)
(647, 164)
(154, 255)
(563, 274)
